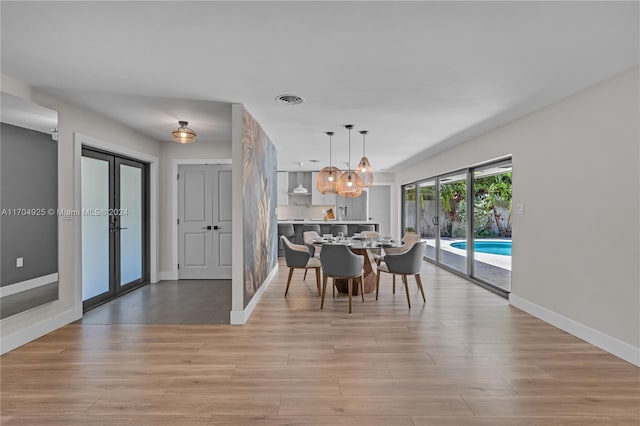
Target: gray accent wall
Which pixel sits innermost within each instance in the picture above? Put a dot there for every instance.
(28, 180)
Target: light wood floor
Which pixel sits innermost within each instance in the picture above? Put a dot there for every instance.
(464, 358)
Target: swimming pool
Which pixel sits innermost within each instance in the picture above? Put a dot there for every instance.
(502, 248)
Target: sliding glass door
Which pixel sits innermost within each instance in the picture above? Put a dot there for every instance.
(453, 221)
(428, 217)
(409, 209)
(492, 224)
(114, 226)
(465, 218)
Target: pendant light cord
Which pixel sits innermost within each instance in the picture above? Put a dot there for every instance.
(330, 144)
(349, 165)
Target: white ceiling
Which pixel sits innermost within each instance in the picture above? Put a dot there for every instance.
(418, 75)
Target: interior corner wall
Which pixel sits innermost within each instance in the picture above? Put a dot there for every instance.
(576, 168)
(21, 328)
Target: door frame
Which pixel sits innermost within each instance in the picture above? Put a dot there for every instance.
(172, 274)
(79, 140)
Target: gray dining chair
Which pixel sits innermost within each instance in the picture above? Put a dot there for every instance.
(404, 264)
(339, 262)
(408, 240)
(298, 257)
(311, 227)
(308, 237)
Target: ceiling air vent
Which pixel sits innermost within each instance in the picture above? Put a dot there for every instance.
(289, 99)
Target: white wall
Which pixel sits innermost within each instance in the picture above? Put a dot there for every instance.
(576, 250)
(200, 149)
(20, 328)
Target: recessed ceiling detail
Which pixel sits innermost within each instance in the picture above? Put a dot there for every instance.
(289, 99)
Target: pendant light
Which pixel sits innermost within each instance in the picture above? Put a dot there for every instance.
(364, 168)
(328, 176)
(183, 134)
(349, 183)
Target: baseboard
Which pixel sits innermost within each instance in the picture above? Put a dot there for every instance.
(34, 331)
(241, 317)
(605, 342)
(168, 275)
(21, 286)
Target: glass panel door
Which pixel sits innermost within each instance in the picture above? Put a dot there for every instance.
(452, 221)
(129, 213)
(428, 216)
(409, 209)
(492, 224)
(114, 226)
(96, 234)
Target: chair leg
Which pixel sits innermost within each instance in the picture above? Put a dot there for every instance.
(305, 274)
(350, 291)
(324, 290)
(362, 287)
(333, 281)
(406, 289)
(288, 282)
(378, 283)
(419, 282)
(394, 283)
(318, 279)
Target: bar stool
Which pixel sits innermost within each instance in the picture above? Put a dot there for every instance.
(336, 229)
(362, 228)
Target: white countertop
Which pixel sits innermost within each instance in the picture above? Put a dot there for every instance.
(329, 222)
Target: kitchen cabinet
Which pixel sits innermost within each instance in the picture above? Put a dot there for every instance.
(352, 208)
(283, 188)
(318, 198)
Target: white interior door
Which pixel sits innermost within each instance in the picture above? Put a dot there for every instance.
(380, 207)
(204, 222)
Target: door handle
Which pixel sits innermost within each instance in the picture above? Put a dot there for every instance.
(208, 228)
(215, 227)
(115, 228)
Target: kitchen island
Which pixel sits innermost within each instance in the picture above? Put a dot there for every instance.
(325, 227)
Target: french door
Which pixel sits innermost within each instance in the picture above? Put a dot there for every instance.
(115, 220)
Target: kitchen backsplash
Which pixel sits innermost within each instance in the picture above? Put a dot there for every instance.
(302, 212)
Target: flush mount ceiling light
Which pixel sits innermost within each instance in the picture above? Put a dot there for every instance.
(364, 168)
(183, 134)
(349, 183)
(328, 176)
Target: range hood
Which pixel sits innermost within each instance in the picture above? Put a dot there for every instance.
(300, 189)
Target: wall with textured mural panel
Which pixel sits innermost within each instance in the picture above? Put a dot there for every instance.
(259, 193)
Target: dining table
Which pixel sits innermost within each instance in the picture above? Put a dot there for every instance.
(364, 248)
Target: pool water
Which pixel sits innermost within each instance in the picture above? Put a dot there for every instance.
(502, 248)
